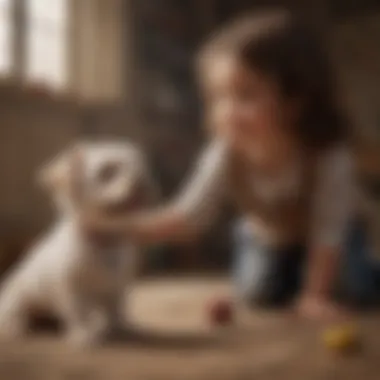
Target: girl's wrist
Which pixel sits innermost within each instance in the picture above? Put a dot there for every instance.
(321, 273)
(316, 293)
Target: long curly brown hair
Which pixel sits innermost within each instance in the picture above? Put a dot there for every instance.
(285, 47)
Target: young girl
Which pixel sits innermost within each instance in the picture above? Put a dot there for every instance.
(278, 150)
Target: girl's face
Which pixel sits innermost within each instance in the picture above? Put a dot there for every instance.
(247, 108)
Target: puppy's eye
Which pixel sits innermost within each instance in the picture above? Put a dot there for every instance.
(108, 172)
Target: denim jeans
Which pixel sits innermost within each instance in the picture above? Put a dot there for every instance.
(274, 276)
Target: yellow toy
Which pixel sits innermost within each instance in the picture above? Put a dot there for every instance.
(342, 339)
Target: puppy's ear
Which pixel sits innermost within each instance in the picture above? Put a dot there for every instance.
(62, 172)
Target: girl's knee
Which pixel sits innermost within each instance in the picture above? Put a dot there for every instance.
(253, 279)
(251, 293)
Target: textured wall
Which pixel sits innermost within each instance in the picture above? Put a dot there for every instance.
(31, 132)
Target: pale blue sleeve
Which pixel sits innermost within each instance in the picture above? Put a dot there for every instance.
(202, 195)
(334, 199)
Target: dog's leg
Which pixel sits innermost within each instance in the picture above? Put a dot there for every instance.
(13, 323)
(13, 311)
(115, 312)
(86, 323)
(89, 333)
(119, 303)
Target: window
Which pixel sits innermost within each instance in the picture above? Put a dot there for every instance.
(35, 45)
(39, 28)
(46, 40)
(5, 37)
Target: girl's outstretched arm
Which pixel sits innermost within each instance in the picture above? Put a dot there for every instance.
(333, 212)
(189, 213)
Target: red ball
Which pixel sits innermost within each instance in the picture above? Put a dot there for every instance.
(221, 312)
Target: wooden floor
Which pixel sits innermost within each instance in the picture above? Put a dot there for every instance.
(174, 340)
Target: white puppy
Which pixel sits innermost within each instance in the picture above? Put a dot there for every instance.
(79, 278)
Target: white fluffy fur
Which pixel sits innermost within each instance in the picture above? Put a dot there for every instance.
(67, 273)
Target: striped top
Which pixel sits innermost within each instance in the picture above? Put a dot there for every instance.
(332, 198)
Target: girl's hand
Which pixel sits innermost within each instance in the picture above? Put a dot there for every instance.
(320, 308)
(92, 223)
(88, 223)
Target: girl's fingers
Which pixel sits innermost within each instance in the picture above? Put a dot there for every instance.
(325, 312)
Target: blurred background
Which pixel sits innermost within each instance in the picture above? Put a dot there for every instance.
(92, 68)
